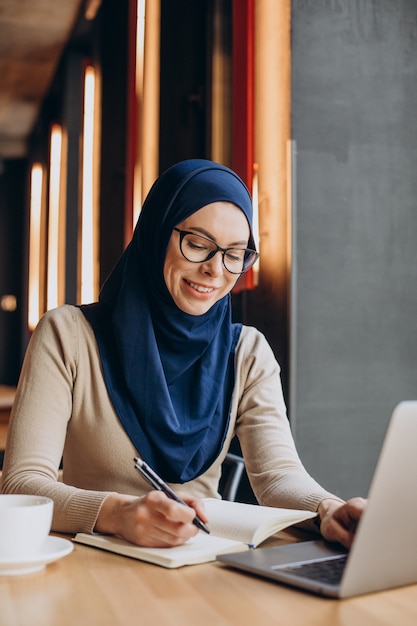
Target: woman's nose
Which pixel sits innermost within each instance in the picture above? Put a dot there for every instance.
(214, 266)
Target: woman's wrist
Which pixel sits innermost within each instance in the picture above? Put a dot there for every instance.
(109, 519)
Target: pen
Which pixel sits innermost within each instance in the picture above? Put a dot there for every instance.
(152, 477)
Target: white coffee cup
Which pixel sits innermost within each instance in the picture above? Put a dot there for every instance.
(25, 522)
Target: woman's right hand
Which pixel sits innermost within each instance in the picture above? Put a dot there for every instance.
(153, 520)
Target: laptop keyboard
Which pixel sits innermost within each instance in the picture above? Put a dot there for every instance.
(328, 571)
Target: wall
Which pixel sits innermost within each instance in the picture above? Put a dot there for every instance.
(12, 203)
(354, 281)
(183, 87)
(112, 56)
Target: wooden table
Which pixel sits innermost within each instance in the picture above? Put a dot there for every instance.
(90, 587)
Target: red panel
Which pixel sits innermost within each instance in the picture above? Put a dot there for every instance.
(243, 101)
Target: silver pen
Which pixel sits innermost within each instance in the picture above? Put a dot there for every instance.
(153, 479)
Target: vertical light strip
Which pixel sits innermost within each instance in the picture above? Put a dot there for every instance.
(52, 300)
(147, 60)
(221, 87)
(149, 125)
(255, 221)
(34, 305)
(88, 230)
(292, 272)
(140, 56)
(272, 130)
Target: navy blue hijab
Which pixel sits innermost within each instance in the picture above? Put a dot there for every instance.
(170, 375)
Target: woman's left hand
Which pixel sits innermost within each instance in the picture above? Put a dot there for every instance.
(339, 520)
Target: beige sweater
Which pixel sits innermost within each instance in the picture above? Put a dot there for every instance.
(62, 410)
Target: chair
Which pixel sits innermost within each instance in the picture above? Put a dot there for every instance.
(232, 471)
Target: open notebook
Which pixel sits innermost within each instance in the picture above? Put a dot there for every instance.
(234, 526)
(383, 554)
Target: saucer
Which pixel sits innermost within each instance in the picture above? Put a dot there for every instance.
(53, 549)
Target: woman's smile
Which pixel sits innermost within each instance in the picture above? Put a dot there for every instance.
(199, 288)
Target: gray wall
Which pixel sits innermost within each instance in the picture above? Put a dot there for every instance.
(354, 281)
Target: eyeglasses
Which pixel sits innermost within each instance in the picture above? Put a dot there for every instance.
(197, 249)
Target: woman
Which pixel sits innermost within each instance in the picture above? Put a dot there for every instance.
(156, 369)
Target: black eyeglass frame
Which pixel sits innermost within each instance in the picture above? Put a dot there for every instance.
(213, 253)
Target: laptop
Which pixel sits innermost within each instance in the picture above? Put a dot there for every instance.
(383, 554)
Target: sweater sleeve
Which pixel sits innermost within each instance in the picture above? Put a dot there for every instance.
(39, 420)
(275, 471)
